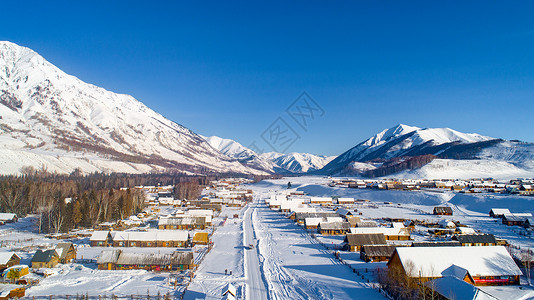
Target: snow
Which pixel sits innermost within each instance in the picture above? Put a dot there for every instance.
(478, 260)
(457, 169)
(272, 161)
(52, 106)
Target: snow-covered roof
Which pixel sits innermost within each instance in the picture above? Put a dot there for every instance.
(384, 230)
(7, 216)
(451, 287)
(312, 221)
(99, 235)
(500, 211)
(6, 256)
(148, 236)
(478, 260)
(229, 289)
(446, 224)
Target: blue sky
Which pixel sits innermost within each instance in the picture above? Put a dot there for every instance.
(232, 68)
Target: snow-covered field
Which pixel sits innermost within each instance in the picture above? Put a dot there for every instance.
(285, 262)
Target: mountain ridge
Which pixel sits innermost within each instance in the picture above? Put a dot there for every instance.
(57, 121)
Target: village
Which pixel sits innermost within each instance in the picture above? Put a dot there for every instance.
(298, 236)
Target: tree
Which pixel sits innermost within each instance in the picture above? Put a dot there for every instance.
(13, 274)
(77, 215)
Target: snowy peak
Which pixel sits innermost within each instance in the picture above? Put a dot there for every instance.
(272, 162)
(52, 119)
(403, 140)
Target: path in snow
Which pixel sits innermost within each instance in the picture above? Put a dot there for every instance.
(227, 253)
(256, 288)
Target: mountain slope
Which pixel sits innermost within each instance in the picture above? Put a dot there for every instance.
(405, 147)
(53, 120)
(272, 162)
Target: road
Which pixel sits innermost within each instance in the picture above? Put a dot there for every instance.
(255, 283)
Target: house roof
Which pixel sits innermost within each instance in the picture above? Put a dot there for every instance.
(451, 287)
(500, 211)
(384, 230)
(201, 237)
(6, 256)
(476, 238)
(151, 236)
(356, 239)
(44, 256)
(437, 244)
(229, 289)
(343, 212)
(478, 260)
(108, 256)
(63, 248)
(7, 216)
(443, 209)
(378, 250)
(128, 258)
(334, 225)
(99, 235)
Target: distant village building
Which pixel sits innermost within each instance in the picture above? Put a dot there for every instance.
(354, 242)
(66, 252)
(200, 238)
(376, 253)
(101, 238)
(8, 259)
(120, 260)
(470, 264)
(443, 211)
(45, 259)
(8, 218)
(476, 239)
(390, 233)
(499, 212)
(333, 228)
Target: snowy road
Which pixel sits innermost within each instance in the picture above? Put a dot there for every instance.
(256, 288)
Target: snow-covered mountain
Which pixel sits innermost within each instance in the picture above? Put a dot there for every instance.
(301, 162)
(272, 162)
(406, 147)
(51, 120)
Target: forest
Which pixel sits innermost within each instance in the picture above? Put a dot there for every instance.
(65, 202)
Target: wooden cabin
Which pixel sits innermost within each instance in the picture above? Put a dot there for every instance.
(476, 239)
(45, 259)
(66, 252)
(391, 233)
(185, 222)
(442, 211)
(8, 259)
(101, 238)
(12, 291)
(470, 264)
(119, 260)
(355, 241)
(154, 238)
(498, 212)
(376, 253)
(200, 238)
(515, 219)
(333, 228)
(8, 218)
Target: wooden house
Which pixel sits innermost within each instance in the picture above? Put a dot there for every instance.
(12, 291)
(120, 260)
(8, 218)
(376, 253)
(498, 212)
(66, 252)
(45, 259)
(355, 241)
(452, 287)
(437, 244)
(390, 233)
(300, 217)
(184, 222)
(200, 238)
(101, 238)
(153, 238)
(8, 259)
(333, 228)
(476, 239)
(442, 211)
(517, 219)
(470, 264)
